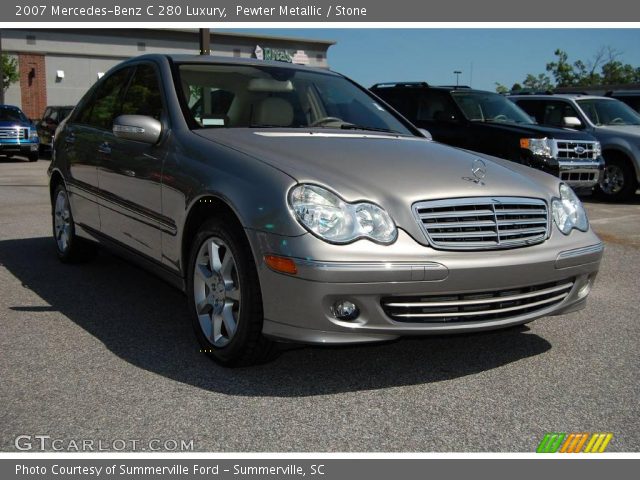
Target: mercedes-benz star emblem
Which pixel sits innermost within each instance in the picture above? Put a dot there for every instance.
(479, 169)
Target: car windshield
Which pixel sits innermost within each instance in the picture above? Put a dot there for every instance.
(609, 112)
(236, 96)
(489, 107)
(12, 114)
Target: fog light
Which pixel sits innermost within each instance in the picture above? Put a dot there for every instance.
(345, 310)
(585, 289)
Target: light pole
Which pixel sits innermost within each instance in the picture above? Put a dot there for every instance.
(457, 74)
(205, 39)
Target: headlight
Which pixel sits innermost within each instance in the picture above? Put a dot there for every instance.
(33, 135)
(537, 146)
(597, 150)
(329, 217)
(568, 212)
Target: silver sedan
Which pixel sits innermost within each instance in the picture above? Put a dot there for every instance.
(291, 204)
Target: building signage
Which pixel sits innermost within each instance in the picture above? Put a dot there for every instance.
(277, 54)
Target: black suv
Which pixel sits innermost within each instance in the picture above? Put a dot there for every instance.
(487, 122)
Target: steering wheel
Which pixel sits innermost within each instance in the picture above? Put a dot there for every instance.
(500, 118)
(325, 120)
(617, 121)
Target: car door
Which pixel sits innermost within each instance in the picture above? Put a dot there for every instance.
(130, 172)
(80, 141)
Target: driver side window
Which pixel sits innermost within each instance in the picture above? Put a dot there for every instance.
(105, 103)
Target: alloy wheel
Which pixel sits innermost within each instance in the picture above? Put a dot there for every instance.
(62, 221)
(216, 291)
(613, 180)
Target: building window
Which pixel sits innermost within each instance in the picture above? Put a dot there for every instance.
(236, 52)
(142, 46)
(319, 57)
(31, 39)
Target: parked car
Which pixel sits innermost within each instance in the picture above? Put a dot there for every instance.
(613, 123)
(487, 122)
(51, 118)
(297, 207)
(18, 136)
(630, 97)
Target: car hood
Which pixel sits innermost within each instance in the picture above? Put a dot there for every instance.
(538, 131)
(380, 168)
(626, 130)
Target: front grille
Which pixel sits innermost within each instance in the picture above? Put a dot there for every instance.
(483, 222)
(476, 307)
(14, 133)
(575, 150)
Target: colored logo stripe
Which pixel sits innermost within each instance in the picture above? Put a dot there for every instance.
(574, 442)
(551, 442)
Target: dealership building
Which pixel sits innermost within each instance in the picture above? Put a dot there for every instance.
(57, 66)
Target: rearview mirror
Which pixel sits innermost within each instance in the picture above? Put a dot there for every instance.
(426, 134)
(571, 122)
(138, 128)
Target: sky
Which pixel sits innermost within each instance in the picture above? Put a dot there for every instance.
(484, 56)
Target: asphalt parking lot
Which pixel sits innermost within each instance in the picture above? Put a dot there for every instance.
(104, 351)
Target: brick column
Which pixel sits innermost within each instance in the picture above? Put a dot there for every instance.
(33, 84)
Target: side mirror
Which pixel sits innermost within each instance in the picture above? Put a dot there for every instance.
(138, 128)
(426, 134)
(571, 122)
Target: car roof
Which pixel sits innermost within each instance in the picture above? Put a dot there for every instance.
(425, 85)
(568, 96)
(217, 60)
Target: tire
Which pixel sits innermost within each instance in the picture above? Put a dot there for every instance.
(224, 297)
(619, 181)
(69, 247)
(33, 157)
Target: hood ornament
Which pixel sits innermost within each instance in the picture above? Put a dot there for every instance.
(478, 170)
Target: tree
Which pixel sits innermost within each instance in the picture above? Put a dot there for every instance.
(562, 70)
(604, 67)
(9, 71)
(540, 83)
(501, 89)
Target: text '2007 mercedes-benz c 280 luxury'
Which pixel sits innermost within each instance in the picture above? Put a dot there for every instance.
(291, 204)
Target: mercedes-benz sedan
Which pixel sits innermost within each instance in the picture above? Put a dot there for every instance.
(291, 204)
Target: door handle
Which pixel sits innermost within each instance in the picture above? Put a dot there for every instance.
(105, 149)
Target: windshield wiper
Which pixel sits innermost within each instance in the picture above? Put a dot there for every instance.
(353, 126)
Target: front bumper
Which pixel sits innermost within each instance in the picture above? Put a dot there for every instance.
(299, 307)
(18, 147)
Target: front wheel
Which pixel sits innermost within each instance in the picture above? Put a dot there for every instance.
(69, 247)
(224, 297)
(618, 181)
(33, 157)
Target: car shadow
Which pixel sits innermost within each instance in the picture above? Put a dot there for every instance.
(145, 322)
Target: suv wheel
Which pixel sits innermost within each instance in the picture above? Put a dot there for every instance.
(224, 297)
(33, 157)
(618, 181)
(70, 248)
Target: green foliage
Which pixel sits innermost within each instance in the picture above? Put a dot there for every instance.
(539, 83)
(9, 71)
(604, 68)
